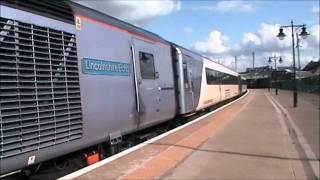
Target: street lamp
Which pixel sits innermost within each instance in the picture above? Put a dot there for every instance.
(281, 34)
(304, 35)
(274, 59)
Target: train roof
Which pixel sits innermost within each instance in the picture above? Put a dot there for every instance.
(102, 17)
(200, 55)
(188, 50)
(65, 10)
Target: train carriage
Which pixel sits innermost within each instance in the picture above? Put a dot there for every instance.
(72, 77)
(218, 84)
(203, 82)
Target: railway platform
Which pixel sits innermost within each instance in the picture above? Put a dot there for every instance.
(259, 136)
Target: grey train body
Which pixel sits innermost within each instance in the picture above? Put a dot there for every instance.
(121, 79)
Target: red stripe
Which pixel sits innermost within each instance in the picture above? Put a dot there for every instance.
(123, 30)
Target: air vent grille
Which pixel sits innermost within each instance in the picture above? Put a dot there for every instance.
(40, 104)
(56, 9)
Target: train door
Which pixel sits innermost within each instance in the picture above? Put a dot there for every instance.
(240, 84)
(188, 83)
(146, 81)
(220, 75)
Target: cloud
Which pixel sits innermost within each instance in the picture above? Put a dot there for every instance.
(315, 10)
(261, 41)
(264, 43)
(188, 30)
(251, 38)
(264, 40)
(135, 12)
(229, 6)
(214, 44)
(270, 44)
(313, 41)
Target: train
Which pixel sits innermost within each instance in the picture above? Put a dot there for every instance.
(72, 77)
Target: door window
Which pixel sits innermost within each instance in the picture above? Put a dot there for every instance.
(185, 73)
(147, 65)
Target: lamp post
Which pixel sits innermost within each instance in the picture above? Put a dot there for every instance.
(304, 35)
(270, 73)
(298, 48)
(235, 63)
(274, 59)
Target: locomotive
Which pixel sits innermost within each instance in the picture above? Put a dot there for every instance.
(72, 77)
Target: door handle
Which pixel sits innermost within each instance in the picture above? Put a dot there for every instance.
(165, 88)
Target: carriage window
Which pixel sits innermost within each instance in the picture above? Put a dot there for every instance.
(243, 81)
(229, 79)
(212, 76)
(147, 65)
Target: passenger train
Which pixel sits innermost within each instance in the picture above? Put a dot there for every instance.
(72, 77)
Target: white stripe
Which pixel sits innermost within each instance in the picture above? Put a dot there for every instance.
(9, 174)
(303, 142)
(285, 130)
(283, 125)
(139, 146)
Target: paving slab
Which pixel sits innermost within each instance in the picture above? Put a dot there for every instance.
(253, 145)
(249, 139)
(154, 158)
(306, 115)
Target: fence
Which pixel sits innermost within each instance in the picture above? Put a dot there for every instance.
(309, 84)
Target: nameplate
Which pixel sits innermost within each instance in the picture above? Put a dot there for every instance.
(104, 67)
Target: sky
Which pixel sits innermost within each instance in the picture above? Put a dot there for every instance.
(222, 30)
